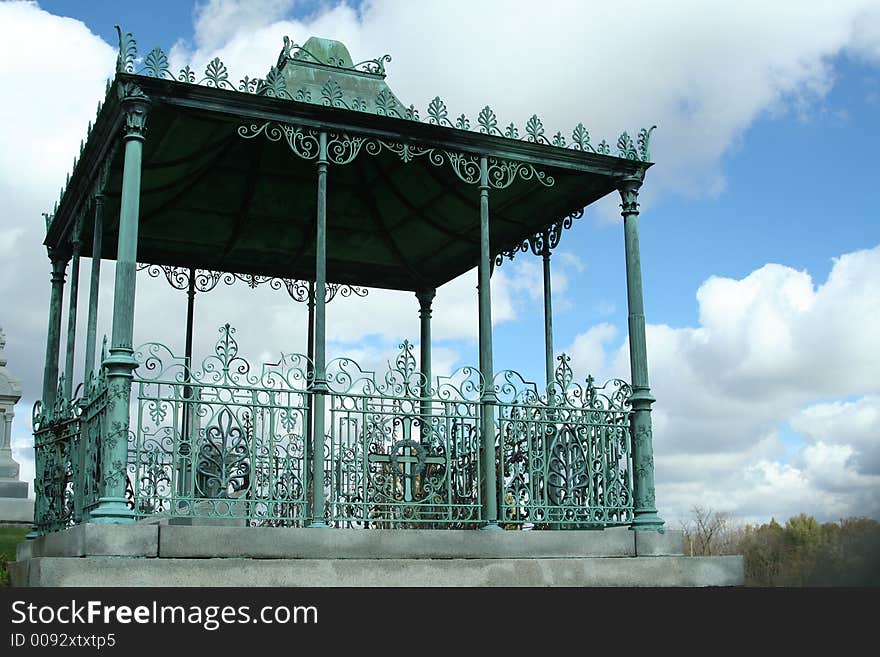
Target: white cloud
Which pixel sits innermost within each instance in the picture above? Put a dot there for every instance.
(853, 425)
(768, 347)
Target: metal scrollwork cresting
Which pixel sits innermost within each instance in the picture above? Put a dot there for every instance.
(155, 64)
(216, 75)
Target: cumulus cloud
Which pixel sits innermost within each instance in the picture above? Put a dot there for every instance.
(768, 348)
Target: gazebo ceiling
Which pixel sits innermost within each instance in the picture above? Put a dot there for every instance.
(229, 178)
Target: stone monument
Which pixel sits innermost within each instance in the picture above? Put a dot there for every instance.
(15, 507)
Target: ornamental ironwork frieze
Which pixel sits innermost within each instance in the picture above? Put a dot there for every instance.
(205, 280)
(541, 243)
(343, 149)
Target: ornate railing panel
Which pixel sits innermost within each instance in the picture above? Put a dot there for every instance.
(92, 429)
(58, 466)
(231, 441)
(402, 454)
(223, 440)
(565, 456)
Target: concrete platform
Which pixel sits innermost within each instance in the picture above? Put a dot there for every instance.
(179, 555)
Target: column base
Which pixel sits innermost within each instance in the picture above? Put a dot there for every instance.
(318, 524)
(491, 526)
(647, 520)
(112, 510)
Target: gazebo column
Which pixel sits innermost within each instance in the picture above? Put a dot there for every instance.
(71, 317)
(310, 373)
(319, 385)
(548, 314)
(425, 298)
(94, 284)
(186, 440)
(112, 506)
(488, 399)
(53, 337)
(644, 509)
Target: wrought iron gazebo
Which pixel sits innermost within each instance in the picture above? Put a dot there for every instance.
(316, 178)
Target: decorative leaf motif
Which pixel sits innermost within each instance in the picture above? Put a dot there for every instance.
(511, 131)
(303, 96)
(158, 410)
(127, 51)
(332, 95)
(462, 123)
(604, 148)
(581, 138)
(385, 103)
(359, 104)
(187, 75)
(559, 140)
(563, 374)
(156, 64)
(248, 84)
(405, 363)
(644, 142)
(626, 148)
(567, 471)
(437, 113)
(216, 74)
(535, 130)
(223, 457)
(412, 113)
(488, 121)
(274, 85)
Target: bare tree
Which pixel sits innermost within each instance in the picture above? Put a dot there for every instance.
(707, 532)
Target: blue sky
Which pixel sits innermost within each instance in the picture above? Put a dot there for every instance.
(778, 168)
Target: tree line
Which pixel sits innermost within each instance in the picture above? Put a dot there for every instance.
(802, 552)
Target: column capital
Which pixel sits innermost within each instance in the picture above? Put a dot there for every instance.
(135, 107)
(59, 261)
(629, 194)
(425, 298)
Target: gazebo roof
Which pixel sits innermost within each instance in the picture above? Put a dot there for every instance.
(228, 178)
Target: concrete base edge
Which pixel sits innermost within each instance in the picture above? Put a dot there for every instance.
(534, 572)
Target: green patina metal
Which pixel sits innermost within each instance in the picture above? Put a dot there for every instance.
(316, 178)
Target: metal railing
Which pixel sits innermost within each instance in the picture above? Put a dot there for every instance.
(230, 441)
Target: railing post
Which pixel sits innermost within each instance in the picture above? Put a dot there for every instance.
(112, 506)
(488, 399)
(425, 298)
(319, 386)
(644, 506)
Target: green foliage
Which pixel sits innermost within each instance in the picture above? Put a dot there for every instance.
(801, 553)
(9, 538)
